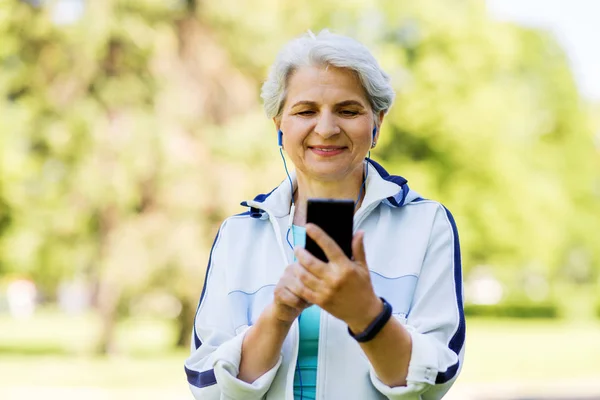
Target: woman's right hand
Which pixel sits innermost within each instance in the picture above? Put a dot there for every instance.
(286, 305)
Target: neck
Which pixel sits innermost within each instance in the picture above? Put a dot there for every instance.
(348, 188)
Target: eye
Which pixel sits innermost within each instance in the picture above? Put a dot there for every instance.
(348, 113)
(306, 112)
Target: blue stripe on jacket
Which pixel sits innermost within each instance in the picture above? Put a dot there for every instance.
(458, 339)
(201, 379)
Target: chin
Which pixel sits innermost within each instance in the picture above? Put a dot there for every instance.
(329, 173)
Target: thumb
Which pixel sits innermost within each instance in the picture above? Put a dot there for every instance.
(358, 248)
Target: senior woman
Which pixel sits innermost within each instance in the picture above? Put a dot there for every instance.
(276, 322)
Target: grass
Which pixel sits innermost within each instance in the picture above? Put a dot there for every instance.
(50, 356)
(517, 350)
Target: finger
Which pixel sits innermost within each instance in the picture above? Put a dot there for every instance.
(311, 263)
(300, 290)
(290, 282)
(306, 277)
(282, 294)
(287, 298)
(326, 243)
(358, 248)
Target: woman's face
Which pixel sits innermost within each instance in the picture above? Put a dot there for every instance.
(327, 122)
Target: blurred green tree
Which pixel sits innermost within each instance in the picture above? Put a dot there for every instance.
(490, 121)
(109, 149)
(129, 133)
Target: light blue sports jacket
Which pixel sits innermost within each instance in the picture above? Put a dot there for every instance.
(413, 253)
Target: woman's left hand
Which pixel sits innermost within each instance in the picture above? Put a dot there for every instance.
(342, 287)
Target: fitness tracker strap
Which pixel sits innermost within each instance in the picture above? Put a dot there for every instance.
(375, 326)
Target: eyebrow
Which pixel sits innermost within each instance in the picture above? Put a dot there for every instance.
(342, 104)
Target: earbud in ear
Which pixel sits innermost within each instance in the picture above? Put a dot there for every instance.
(280, 138)
(373, 143)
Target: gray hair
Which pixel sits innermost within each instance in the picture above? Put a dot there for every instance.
(326, 49)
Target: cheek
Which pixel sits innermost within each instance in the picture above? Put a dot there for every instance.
(365, 140)
(362, 137)
(359, 130)
(295, 132)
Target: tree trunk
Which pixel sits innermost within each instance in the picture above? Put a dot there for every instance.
(108, 291)
(107, 307)
(185, 323)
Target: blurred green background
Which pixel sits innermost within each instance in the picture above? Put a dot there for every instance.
(129, 129)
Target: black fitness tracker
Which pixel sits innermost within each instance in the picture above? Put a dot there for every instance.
(375, 326)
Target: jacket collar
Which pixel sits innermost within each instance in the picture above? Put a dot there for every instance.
(380, 187)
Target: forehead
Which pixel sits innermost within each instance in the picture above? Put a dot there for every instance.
(325, 84)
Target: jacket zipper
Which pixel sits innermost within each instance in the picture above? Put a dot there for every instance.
(289, 384)
(321, 366)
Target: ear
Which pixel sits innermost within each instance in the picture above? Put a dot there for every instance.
(378, 122)
(380, 117)
(279, 133)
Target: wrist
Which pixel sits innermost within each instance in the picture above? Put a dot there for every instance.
(361, 323)
(271, 318)
(376, 325)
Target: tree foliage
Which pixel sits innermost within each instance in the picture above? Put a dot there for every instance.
(127, 135)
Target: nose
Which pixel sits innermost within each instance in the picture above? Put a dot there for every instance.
(327, 125)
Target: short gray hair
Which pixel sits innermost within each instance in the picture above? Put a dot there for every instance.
(326, 49)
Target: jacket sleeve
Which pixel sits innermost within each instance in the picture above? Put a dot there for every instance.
(436, 321)
(216, 348)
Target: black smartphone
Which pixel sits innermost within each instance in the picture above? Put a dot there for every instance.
(336, 218)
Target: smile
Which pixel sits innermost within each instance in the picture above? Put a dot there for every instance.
(327, 151)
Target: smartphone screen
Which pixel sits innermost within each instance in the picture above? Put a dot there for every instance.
(336, 218)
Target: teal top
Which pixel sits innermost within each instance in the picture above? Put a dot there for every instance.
(305, 378)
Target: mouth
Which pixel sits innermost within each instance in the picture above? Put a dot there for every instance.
(327, 151)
